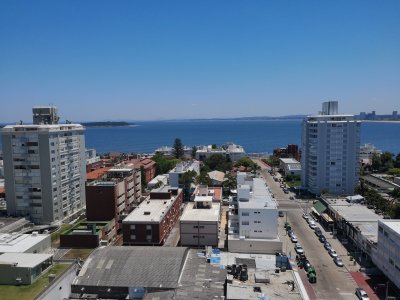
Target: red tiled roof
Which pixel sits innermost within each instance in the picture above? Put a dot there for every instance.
(2, 190)
(217, 193)
(96, 174)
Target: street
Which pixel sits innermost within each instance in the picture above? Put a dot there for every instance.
(332, 282)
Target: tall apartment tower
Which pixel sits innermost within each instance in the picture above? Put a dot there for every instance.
(44, 168)
(330, 151)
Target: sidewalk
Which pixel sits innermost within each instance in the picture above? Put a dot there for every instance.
(362, 281)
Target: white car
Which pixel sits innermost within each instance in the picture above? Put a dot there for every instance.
(332, 253)
(361, 294)
(305, 216)
(299, 249)
(312, 225)
(293, 238)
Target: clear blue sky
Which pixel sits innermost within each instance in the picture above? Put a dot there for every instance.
(137, 60)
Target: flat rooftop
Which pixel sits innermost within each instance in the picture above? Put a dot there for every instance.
(149, 267)
(150, 211)
(260, 197)
(19, 242)
(23, 260)
(353, 212)
(392, 224)
(201, 214)
(289, 161)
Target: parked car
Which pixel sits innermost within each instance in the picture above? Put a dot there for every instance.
(305, 216)
(338, 261)
(322, 239)
(312, 224)
(361, 294)
(281, 214)
(306, 265)
(291, 198)
(286, 191)
(299, 249)
(293, 238)
(318, 232)
(327, 245)
(332, 252)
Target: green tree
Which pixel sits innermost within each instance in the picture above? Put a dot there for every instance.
(376, 163)
(164, 164)
(396, 163)
(186, 181)
(203, 179)
(177, 148)
(218, 162)
(194, 150)
(230, 182)
(246, 162)
(386, 161)
(394, 171)
(395, 193)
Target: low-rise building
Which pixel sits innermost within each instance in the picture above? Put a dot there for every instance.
(176, 173)
(148, 165)
(233, 151)
(24, 243)
(253, 218)
(88, 235)
(113, 197)
(367, 151)
(199, 223)
(152, 221)
(158, 181)
(387, 255)
(23, 268)
(379, 182)
(290, 166)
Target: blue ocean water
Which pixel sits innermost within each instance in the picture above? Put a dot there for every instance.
(254, 136)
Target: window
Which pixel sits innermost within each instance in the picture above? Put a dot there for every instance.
(257, 222)
(133, 236)
(245, 214)
(245, 222)
(148, 227)
(133, 227)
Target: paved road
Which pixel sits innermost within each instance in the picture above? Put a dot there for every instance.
(332, 282)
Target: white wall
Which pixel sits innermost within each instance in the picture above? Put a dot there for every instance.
(262, 222)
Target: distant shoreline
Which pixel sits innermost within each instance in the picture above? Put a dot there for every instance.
(380, 121)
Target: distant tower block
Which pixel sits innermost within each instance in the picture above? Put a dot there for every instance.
(45, 115)
(330, 108)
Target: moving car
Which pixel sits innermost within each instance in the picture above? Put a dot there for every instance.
(338, 261)
(322, 239)
(332, 252)
(361, 294)
(299, 249)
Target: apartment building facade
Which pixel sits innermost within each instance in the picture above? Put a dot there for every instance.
(330, 152)
(45, 171)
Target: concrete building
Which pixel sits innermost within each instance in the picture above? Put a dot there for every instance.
(148, 165)
(233, 151)
(148, 273)
(387, 255)
(367, 151)
(44, 170)
(181, 168)
(289, 166)
(217, 177)
(253, 218)
(88, 235)
(114, 196)
(24, 243)
(93, 161)
(23, 268)
(152, 221)
(199, 223)
(330, 152)
(158, 181)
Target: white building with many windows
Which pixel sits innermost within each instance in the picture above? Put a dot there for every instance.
(387, 255)
(253, 218)
(330, 152)
(44, 166)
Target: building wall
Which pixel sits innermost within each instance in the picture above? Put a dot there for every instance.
(45, 171)
(254, 246)
(9, 273)
(100, 203)
(136, 233)
(79, 240)
(258, 223)
(199, 233)
(330, 154)
(387, 255)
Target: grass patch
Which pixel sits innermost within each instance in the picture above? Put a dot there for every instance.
(29, 292)
(295, 183)
(81, 253)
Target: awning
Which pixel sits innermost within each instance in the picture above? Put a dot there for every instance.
(320, 207)
(327, 218)
(315, 211)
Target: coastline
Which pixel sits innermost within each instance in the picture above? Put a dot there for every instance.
(380, 121)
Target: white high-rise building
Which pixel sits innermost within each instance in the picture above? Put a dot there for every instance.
(44, 168)
(330, 151)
